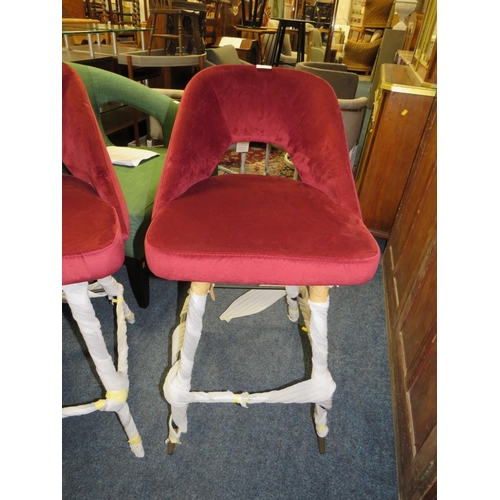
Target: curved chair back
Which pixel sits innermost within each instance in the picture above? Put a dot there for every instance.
(225, 54)
(360, 56)
(317, 48)
(84, 153)
(104, 87)
(344, 83)
(353, 116)
(241, 103)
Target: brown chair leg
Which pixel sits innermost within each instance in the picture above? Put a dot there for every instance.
(321, 444)
(138, 276)
(170, 445)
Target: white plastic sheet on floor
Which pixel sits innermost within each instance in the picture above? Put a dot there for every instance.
(252, 302)
(115, 380)
(318, 389)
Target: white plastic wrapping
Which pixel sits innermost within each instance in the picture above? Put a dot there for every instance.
(115, 380)
(318, 389)
(252, 302)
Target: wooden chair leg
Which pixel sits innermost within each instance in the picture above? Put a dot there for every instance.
(138, 276)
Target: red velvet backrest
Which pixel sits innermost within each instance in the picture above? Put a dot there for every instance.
(83, 150)
(226, 104)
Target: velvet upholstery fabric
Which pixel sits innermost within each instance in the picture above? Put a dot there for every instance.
(104, 87)
(138, 184)
(248, 229)
(84, 153)
(95, 221)
(92, 241)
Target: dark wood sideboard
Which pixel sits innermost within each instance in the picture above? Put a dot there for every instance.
(410, 282)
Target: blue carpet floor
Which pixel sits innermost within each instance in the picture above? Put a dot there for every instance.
(229, 452)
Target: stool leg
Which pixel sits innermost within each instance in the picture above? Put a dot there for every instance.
(301, 42)
(318, 303)
(115, 381)
(178, 382)
(292, 292)
(278, 45)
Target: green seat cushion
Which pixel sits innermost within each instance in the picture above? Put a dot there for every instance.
(139, 185)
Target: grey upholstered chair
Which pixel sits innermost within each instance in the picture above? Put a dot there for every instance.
(226, 54)
(353, 116)
(343, 82)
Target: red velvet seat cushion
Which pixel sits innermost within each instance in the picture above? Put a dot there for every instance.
(92, 241)
(259, 229)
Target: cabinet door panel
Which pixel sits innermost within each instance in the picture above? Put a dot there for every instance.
(405, 222)
(384, 169)
(420, 243)
(418, 327)
(423, 397)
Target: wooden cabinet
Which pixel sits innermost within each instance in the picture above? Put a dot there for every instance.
(400, 112)
(410, 279)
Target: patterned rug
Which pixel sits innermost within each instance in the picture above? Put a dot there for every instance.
(255, 161)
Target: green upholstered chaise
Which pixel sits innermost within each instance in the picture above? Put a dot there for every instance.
(139, 184)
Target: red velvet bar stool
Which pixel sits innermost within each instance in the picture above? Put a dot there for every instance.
(95, 224)
(238, 229)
